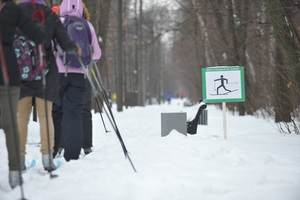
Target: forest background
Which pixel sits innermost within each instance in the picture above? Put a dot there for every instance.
(151, 48)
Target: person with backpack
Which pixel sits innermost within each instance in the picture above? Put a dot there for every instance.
(67, 116)
(45, 92)
(11, 17)
(87, 123)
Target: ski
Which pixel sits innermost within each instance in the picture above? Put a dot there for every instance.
(58, 164)
(32, 164)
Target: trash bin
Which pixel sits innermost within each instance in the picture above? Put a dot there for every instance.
(170, 121)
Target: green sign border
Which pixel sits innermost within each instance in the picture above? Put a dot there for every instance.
(223, 68)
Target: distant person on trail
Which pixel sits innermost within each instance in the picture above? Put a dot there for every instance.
(35, 89)
(222, 79)
(181, 95)
(169, 98)
(67, 115)
(12, 18)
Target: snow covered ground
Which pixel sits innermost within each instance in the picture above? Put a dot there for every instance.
(254, 163)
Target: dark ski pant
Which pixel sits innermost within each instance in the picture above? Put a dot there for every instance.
(67, 116)
(8, 125)
(87, 123)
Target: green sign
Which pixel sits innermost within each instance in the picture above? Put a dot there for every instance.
(223, 84)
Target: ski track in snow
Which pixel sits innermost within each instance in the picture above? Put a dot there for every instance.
(255, 162)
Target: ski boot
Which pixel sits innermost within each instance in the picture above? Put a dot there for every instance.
(46, 158)
(14, 178)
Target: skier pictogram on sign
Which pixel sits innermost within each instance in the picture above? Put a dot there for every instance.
(222, 82)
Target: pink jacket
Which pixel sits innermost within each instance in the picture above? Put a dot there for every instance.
(75, 8)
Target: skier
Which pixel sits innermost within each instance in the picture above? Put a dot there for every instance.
(87, 123)
(35, 89)
(11, 18)
(68, 115)
(169, 98)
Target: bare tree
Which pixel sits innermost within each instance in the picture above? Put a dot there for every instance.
(241, 33)
(261, 35)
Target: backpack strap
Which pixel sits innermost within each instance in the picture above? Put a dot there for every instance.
(90, 33)
(90, 40)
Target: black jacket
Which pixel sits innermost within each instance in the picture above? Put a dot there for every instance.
(55, 30)
(11, 17)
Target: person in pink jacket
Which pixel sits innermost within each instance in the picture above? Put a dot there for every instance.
(67, 116)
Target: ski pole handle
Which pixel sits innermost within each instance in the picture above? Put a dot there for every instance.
(3, 63)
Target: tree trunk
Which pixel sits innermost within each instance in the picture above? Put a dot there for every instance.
(292, 12)
(99, 17)
(285, 49)
(141, 71)
(282, 103)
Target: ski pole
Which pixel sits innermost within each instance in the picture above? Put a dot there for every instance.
(98, 75)
(110, 117)
(104, 96)
(113, 123)
(97, 103)
(13, 120)
(99, 108)
(102, 91)
(43, 66)
(100, 85)
(96, 94)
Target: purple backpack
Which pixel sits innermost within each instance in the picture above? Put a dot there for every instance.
(28, 58)
(79, 32)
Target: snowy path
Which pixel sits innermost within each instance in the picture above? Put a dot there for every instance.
(256, 162)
